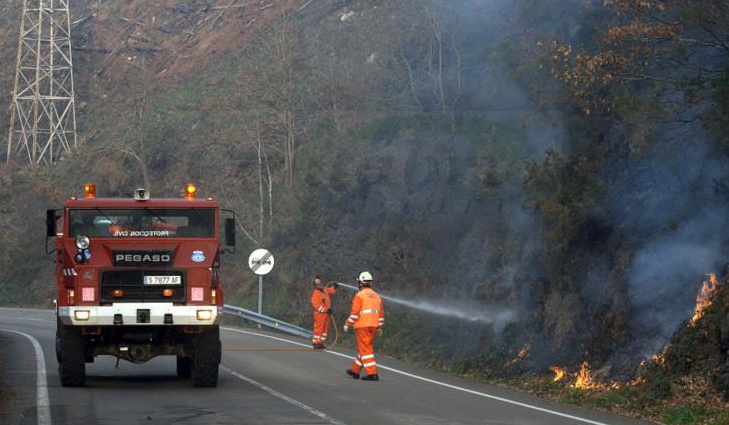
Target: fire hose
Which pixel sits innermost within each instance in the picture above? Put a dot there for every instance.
(336, 338)
(334, 343)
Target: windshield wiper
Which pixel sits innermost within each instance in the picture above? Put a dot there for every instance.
(149, 210)
(200, 219)
(105, 216)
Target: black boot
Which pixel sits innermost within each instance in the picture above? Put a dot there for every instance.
(319, 346)
(371, 378)
(352, 374)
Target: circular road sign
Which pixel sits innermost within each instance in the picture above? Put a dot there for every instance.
(260, 261)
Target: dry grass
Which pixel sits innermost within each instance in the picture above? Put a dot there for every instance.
(689, 400)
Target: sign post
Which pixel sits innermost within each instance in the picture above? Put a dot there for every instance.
(260, 294)
(261, 262)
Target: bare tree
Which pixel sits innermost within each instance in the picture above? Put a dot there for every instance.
(263, 180)
(434, 65)
(135, 142)
(278, 89)
(139, 111)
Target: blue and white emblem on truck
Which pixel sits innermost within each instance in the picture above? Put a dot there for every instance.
(198, 256)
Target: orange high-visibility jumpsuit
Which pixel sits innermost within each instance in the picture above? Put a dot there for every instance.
(366, 317)
(321, 303)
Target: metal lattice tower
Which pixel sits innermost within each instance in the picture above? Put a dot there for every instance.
(43, 110)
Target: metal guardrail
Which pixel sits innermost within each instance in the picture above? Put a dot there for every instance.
(267, 321)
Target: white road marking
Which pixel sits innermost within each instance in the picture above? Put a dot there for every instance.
(32, 319)
(37, 310)
(286, 398)
(432, 381)
(43, 403)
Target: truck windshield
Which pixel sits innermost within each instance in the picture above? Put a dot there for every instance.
(142, 223)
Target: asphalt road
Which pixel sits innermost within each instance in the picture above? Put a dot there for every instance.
(254, 387)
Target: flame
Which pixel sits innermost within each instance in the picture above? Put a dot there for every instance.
(558, 373)
(523, 352)
(586, 382)
(637, 381)
(584, 378)
(704, 298)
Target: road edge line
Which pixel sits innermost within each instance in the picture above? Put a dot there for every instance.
(432, 381)
(283, 397)
(43, 402)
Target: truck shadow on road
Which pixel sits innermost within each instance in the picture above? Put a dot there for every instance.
(147, 382)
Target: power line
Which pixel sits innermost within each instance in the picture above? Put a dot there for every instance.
(43, 110)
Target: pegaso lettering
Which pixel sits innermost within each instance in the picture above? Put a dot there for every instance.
(142, 258)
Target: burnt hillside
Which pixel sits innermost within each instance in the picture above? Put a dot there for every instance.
(544, 165)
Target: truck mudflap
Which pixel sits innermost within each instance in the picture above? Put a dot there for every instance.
(140, 314)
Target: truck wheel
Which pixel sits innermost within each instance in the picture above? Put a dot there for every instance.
(72, 355)
(206, 359)
(184, 367)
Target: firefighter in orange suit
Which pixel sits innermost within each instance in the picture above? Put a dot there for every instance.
(367, 317)
(322, 305)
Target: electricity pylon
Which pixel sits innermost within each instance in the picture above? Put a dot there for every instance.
(43, 110)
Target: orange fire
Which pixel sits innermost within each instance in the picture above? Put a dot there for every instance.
(704, 298)
(558, 373)
(584, 378)
(523, 352)
(637, 381)
(658, 358)
(586, 381)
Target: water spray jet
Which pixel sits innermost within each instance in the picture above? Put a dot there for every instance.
(497, 316)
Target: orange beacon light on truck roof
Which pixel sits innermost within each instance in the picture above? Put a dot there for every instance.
(190, 191)
(90, 190)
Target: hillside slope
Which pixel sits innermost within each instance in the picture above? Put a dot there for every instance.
(471, 182)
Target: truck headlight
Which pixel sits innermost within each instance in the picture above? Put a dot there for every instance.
(204, 315)
(82, 241)
(82, 315)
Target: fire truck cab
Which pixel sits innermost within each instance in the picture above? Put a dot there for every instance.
(138, 278)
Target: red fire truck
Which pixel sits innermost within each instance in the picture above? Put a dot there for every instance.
(139, 278)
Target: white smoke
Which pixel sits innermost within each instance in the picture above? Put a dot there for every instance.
(668, 272)
(497, 316)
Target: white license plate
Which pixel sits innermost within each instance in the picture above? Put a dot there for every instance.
(162, 280)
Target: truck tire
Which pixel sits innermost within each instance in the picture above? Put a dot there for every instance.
(206, 358)
(72, 356)
(184, 367)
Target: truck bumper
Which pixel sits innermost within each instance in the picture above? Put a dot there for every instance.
(149, 313)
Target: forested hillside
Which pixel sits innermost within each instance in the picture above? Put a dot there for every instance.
(557, 168)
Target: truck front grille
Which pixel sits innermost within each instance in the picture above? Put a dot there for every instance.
(131, 283)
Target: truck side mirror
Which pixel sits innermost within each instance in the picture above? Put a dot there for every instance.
(50, 223)
(230, 232)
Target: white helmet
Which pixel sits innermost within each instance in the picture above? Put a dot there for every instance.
(365, 278)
